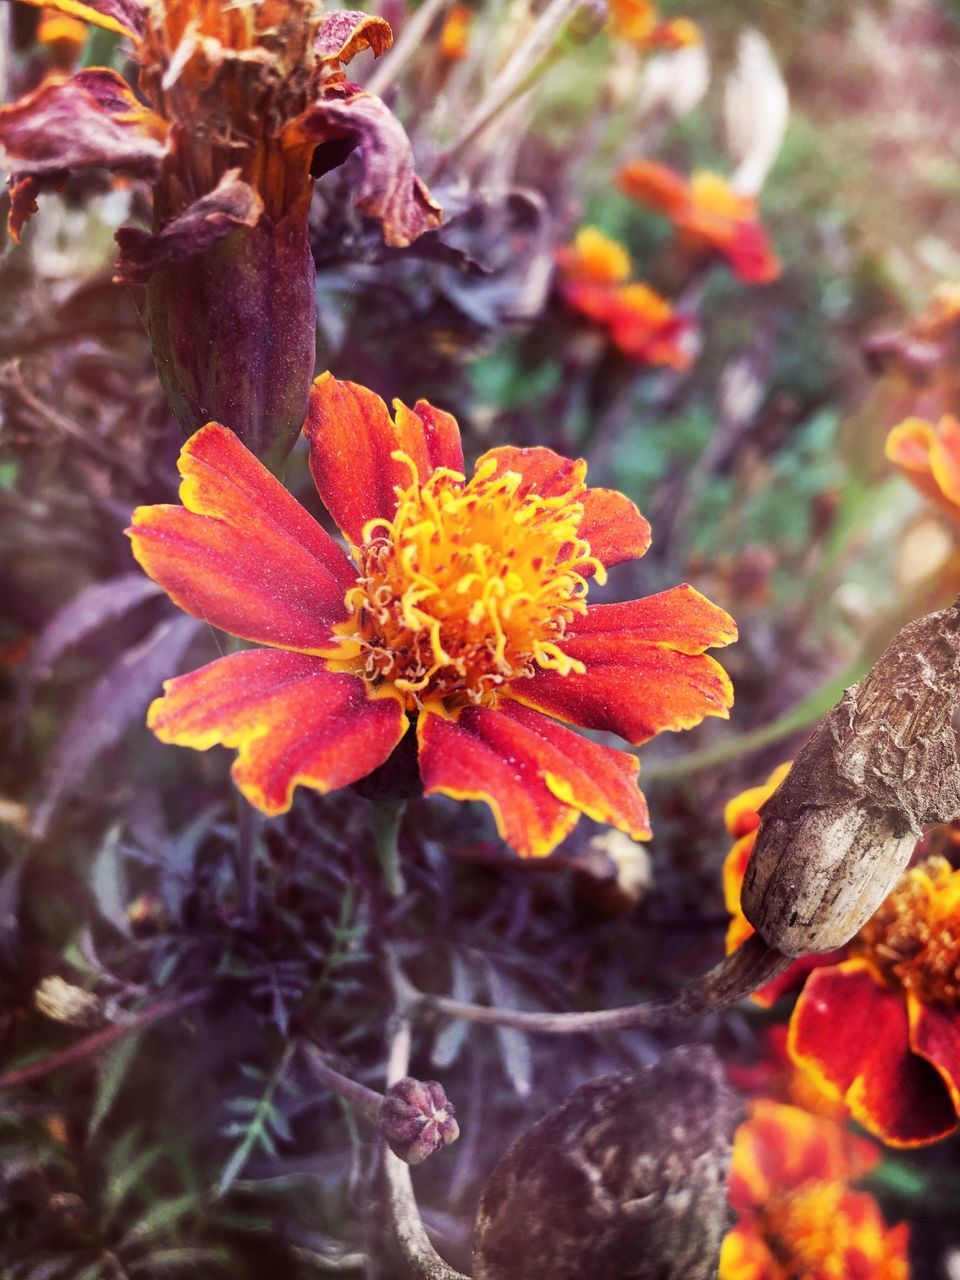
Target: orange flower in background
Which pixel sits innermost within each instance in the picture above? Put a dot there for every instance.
(463, 609)
(797, 1217)
(455, 33)
(638, 22)
(929, 457)
(708, 215)
(643, 325)
(248, 104)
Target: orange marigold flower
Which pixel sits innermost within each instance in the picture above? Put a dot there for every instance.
(797, 1216)
(641, 323)
(638, 22)
(463, 609)
(929, 457)
(247, 105)
(708, 214)
(455, 33)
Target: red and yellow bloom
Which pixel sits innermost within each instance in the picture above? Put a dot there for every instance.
(463, 608)
(881, 1029)
(247, 106)
(595, 280)
(708, 214)
(638, 22)
(876, 1025)
(929, 456)
(798, 1219)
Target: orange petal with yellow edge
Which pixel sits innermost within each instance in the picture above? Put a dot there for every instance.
(536, 776)
(645, 667)
(613, 526)
(293, 722)
(781, 1147)
(241, 553)
(352, 439)
(851, 1033)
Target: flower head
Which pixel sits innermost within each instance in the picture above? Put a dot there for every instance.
(876, 1025)
(638, 22)
(708, 214)
(247, 105)
(929, 457)
(797, 1215)
(462, 609)
(595, 273)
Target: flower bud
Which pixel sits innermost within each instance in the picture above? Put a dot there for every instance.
(416, 1119)
(838, 832)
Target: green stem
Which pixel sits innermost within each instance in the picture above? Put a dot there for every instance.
(385, 820)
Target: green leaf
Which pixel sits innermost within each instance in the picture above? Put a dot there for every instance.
(115, 1066)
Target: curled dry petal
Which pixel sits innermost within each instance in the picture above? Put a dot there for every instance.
(231, 204)
(90, 121)
(388, 189)
(343, 33)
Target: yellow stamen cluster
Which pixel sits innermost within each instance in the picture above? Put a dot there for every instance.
(467, 588)
(914, 939)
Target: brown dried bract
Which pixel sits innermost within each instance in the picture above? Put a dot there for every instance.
(841, 827)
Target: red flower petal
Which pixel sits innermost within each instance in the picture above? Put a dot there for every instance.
(536, 776)
(645, 667)
(851, 1033)
(241, 552)
(613, 526)
(543, 471)
(292, 720)
(935, 1035)
(351, 441)
(751, 255)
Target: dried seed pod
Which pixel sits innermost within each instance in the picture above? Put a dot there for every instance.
(626, 1180)
(838, 832)
(416, 1119)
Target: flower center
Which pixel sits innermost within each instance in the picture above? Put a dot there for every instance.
(468, 587)
(913, 941)
(809, 1232)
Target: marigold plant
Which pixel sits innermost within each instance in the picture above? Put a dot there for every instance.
(463, 609)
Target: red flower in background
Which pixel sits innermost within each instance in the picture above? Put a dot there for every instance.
(595, 272)
(798, 1218)
(639, 22)
(463, 608)
(876, 1025)
(708, 214)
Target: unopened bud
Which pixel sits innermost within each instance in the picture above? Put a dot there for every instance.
(63, 1002)
(416, 1119)
(838, 832)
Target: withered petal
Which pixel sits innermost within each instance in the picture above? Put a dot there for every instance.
(343, 33)
(231, 204)
(389, 189)
(90, 121)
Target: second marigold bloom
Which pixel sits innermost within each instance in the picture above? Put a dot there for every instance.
(463, 610)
